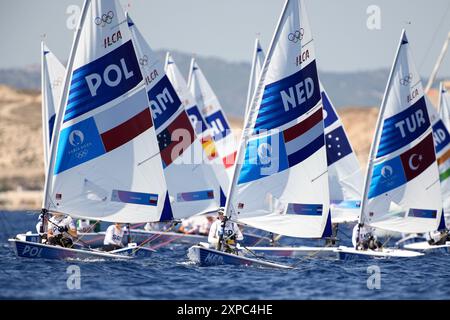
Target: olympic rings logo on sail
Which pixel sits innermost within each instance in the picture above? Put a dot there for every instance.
(296, 36)
(81, 154)
(406, 79)
(143, 61)
(106, 18)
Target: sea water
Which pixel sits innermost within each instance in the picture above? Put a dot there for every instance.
(169, 274)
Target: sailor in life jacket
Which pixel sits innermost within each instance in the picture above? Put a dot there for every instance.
(438, 237)
(61, 229)
(364, 239)
(113, 237)
(231, 234)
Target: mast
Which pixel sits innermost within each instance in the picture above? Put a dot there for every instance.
(43, 107)
(252, 75)
(249, 113)
(62, 102)
(376, 134)
(437, 65)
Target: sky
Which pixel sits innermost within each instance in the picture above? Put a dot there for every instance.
(227, 28)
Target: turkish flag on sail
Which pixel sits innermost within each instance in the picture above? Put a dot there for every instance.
(419, 158)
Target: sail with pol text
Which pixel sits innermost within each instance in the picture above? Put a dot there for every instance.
(105, 162)
(344, 172)
(402, 169)
(52, 72)
(202, 130)
(281, 181)
(255, 72)
(214, 115)
(191, 182)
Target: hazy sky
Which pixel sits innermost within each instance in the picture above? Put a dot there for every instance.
(226, 29)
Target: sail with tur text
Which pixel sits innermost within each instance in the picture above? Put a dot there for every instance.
(402, 169)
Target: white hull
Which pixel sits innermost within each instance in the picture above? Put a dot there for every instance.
(348, 253)
(302, 251)
(425, 247)
(210, 257)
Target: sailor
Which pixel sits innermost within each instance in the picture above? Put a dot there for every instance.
(113, 237)
(61, 229)
(229, 232)
(436, 238)
(363, 238)
(206, 226)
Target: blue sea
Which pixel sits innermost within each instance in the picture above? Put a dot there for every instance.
(168, 274)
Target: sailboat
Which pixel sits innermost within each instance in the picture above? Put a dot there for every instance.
(192, 185)
(202, 130)
(280, 182)
(104, 161)
(52, 76)
(441, 137)
(204, 133)
(214, 115)
(345, 184)
(402, 171)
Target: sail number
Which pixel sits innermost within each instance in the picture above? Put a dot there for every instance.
(31, 251)
(112, 76)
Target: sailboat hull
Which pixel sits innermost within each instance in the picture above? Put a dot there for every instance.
(158, 238)
(302, 251)
(25, 249)
(425, 247)
(347, 253)
(210, 257)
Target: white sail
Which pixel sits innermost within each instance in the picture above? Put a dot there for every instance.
(192, 185)
(402, 166)
(441, 127)
(214, 115)
(211, 156)
(52, 83)
(255, 72)
(281, 180)
(105, 161)
(344, 172)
